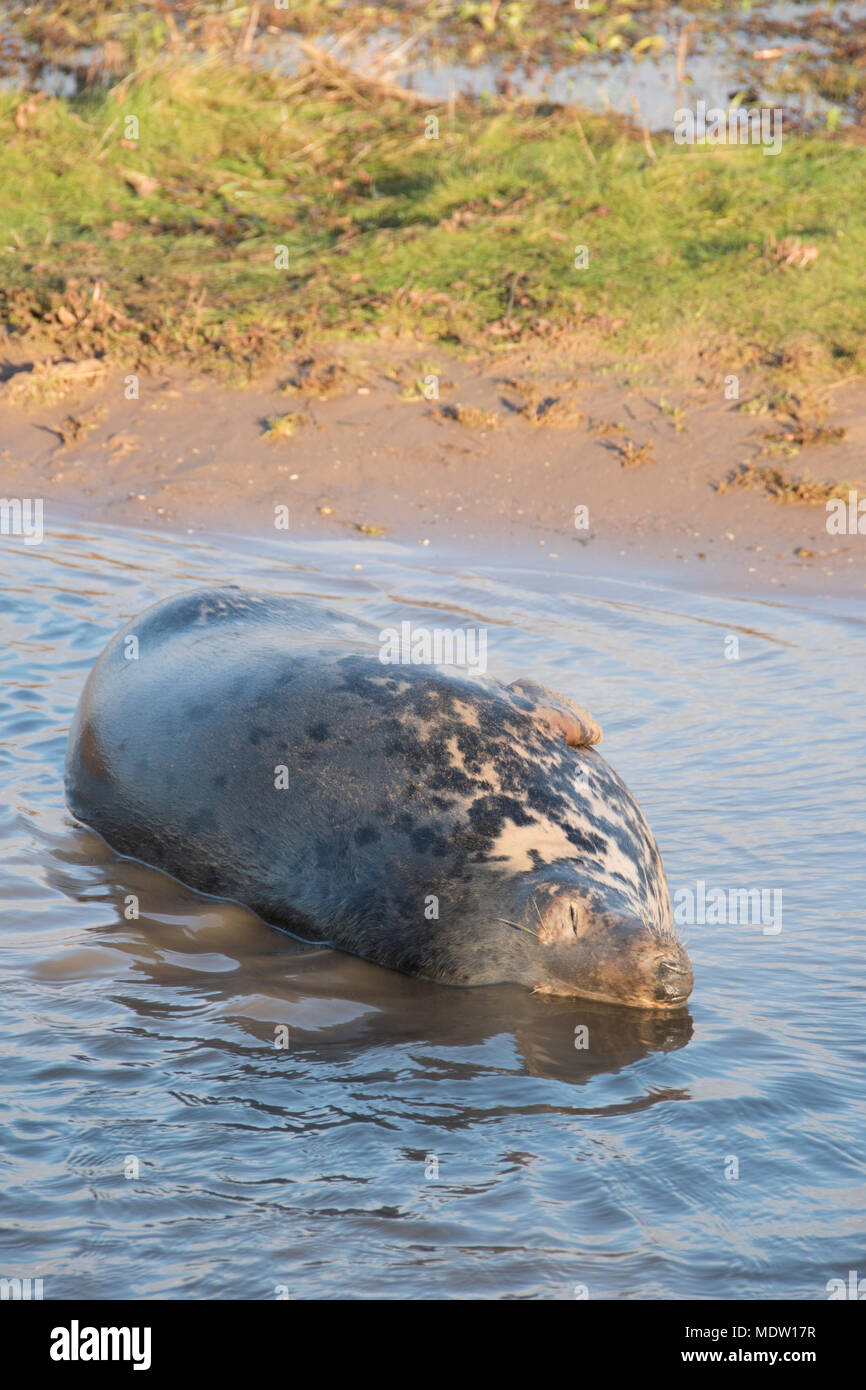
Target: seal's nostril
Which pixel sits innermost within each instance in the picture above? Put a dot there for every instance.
(674, 980)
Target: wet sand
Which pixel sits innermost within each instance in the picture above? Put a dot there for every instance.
(193, 454)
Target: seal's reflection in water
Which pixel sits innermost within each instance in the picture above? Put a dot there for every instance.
(257, 977)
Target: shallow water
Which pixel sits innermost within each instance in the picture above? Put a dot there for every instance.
(720, 63)
(150, 1042)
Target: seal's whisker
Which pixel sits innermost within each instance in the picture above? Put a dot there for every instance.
(519, 926)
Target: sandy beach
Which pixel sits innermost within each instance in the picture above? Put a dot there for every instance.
(471, 470)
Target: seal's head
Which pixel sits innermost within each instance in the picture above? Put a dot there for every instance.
(576, 939)
(587, 897)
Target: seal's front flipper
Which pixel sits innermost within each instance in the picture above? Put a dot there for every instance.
(559, 713)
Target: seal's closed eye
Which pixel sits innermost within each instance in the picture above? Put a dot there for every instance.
(559, 713)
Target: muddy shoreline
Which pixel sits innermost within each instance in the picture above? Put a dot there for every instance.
(626, 483)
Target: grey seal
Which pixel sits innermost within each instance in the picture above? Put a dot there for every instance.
(425, 818)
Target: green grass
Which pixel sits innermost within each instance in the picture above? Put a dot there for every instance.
(468, 240)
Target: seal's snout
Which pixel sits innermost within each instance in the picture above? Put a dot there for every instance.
(604, 951)
(675, 978)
